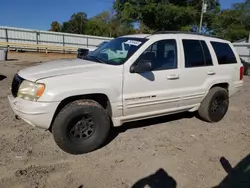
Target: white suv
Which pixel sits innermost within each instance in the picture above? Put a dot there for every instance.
(163, 73)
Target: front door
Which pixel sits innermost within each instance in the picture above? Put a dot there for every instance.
(156, 91)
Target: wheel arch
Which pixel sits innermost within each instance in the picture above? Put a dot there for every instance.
(224, 85)
(101, 98)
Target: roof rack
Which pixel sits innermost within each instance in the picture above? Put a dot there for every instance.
(184, 32)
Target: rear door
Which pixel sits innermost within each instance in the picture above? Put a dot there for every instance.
(228, 64)
(197, 71)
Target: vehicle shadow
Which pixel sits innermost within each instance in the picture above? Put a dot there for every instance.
(115, 131)
(2, 77)
(238, 177)
(12, 60)
(160, 179)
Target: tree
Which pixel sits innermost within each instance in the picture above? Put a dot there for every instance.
(76, 24)
(55, 26)
(97, 26)
(165, 14)
(233, 24)
(107, 24)
(67, 27)
(153, 15)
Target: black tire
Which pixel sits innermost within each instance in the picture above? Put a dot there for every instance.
(81, 127)
(215, 105)
(248, 71)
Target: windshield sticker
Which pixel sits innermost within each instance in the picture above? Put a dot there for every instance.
(133, 42)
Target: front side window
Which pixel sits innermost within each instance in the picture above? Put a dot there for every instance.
(162, 55)
(224, 53)
(116, 51)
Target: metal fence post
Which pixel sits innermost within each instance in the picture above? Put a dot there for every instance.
(37, 42)
(87, 42)
(7, 38)
(249, 52)
(63, 43)
(6, 35)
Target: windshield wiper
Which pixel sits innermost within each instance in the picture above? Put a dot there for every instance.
(97, 59)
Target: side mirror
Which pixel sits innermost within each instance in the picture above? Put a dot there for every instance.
(141, 66)
(82, 53)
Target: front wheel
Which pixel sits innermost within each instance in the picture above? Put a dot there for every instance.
(81, 127)
(215, 105)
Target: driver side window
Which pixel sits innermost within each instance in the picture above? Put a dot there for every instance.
(162, 54)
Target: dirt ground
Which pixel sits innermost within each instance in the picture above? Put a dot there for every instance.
(173, 151)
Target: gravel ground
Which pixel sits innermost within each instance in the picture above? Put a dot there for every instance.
(173, 151)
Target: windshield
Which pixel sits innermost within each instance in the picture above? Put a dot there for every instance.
(117, 51)
(103, 43)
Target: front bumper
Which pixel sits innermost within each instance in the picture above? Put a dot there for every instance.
(37, 114)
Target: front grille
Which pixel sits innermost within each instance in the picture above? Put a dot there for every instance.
(17, 80)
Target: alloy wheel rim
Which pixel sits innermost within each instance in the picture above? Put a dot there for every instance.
(219, 106)
(82, 128)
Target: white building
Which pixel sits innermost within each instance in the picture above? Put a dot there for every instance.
(243, 48)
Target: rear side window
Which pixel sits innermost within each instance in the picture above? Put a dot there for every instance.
(224, 53)
(207, 55)
(196, 53)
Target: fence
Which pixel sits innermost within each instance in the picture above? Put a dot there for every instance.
(28, 39)
(17, 38)
(244, 50)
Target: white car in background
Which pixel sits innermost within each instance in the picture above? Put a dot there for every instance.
(85, 51)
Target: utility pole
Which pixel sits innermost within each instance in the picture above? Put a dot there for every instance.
(203, 10)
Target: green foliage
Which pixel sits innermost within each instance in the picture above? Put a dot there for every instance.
(104, 24)
(233, 24)
(165, 14)
(153, 15)
(55, 26)
(76, 24)
(98, 25)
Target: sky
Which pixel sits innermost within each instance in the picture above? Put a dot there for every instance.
(35, 14)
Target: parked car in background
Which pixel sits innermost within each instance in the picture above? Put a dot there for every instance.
(82, 52)
(246, 67)
(103, 43)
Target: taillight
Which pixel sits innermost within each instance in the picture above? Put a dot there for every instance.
(241, 72)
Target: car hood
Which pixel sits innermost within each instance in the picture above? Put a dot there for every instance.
(61, 67)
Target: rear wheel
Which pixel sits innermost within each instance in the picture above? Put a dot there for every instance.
(215, 105)
(81, 126)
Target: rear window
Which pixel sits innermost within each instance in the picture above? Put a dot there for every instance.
(224, 53)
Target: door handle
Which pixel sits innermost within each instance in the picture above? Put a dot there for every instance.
(173, 77)
(211, 73)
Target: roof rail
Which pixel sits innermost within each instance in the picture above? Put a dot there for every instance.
(184, 32)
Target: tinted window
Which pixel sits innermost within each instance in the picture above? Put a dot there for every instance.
(208, 58)
(224, 53)
(162, 54)
(194, 56)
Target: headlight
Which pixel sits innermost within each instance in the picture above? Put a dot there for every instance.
(30, 91)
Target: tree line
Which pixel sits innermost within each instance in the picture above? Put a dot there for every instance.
(154, 15)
